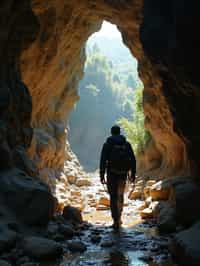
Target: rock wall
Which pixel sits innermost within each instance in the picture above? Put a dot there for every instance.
(160, 35)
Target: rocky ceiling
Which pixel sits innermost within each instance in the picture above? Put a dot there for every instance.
(42, 46)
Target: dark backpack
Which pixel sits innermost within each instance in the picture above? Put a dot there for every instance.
(119, 159)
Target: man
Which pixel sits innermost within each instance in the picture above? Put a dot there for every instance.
(117, 160)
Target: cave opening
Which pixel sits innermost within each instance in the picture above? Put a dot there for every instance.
(109, 90)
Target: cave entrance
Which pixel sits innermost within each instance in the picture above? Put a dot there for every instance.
(110, 92)
(107, 92)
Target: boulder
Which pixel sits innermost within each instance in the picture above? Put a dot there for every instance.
(160, 191)
(77, 246)
(142, 206)
(136, 193)
(166, 218)
(102, 208)
(146, 191)
(41, 248)
(186, 246)
(29, 198)
(83, 182)
(72, 214)
(75, 193)
(186, 198)
(4, 263)
(147, 213)
(67, 231)
(104, 201)
(150, 183)
(7, 239)
(72, 179)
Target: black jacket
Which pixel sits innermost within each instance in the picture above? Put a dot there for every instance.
(115, 139)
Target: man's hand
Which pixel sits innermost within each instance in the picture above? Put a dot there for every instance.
(103, 181)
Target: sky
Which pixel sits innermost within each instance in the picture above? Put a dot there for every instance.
(109, 30)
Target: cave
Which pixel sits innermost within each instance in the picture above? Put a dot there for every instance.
(42, 59)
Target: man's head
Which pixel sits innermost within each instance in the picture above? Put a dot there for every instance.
(115, 130)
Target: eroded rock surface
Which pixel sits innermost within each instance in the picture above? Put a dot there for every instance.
(52, 64)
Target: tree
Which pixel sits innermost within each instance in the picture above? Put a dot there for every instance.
(134, 128)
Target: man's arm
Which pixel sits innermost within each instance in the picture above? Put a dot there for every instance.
(133, 162)
(103, 161)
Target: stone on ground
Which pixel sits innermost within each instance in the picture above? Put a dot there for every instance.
(166, 218)
(7, 239)
(72, 179)
(102, 208)
(160, 191)
(104, 201)
(67, 231)
(142, 206)
(28, 197)
(77, 246)
(4, 263)
(41, 248)
(186, 198)
(136, 193)
(72, 214)
(186, 246)
(146, 213)
(83, 182)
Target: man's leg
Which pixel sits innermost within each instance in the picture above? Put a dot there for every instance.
(112, 190)
(120, 195)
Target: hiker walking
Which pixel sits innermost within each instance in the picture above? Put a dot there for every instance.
(117, 161)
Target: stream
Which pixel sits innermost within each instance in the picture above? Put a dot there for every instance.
(137, 243)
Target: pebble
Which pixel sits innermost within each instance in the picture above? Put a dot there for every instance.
(77, 246)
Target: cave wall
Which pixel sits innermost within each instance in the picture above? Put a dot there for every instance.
(42, 46)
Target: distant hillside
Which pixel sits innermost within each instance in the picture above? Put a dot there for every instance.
(114, 50)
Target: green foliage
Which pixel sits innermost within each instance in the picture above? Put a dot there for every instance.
(134, 128)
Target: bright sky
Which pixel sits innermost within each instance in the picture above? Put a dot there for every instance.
(109, 30)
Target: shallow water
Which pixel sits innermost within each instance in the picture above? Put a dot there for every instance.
(136, 244)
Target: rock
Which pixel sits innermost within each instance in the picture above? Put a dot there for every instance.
(160, 191)
(146, 213)
(76, 193)
(166, 219)
(29, 264)
(72, 179)
(23, 260)
(150, 183)
(95, 238)
(28, 197)
(154, 205)
(41, 248)
(77, 246)
(67, 231)
(72, 214)
(4, 263)
(102, 208)
(186, 246)
(146, 191)
(104, 201)
(7, 239)
(148, 201)
(83, 182)
(135, 194)
(142, 206)
(186, 198)
(107, 244)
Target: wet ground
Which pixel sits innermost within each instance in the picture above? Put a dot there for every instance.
(136, 243)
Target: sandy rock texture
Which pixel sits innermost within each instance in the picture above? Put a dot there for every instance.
(42, 46)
